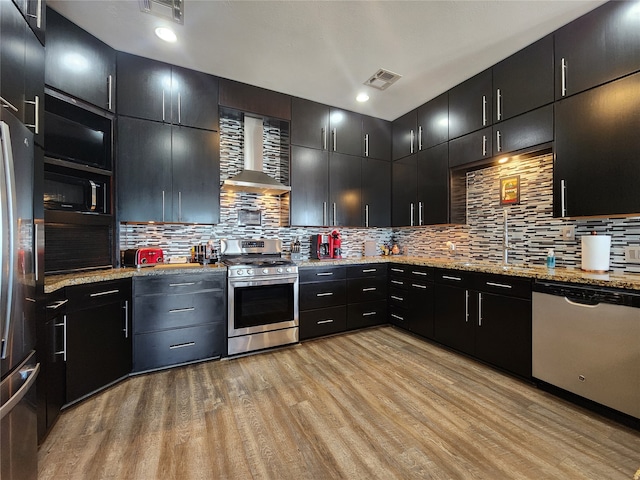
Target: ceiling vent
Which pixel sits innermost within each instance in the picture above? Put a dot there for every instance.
(383, 79)
(169, 9)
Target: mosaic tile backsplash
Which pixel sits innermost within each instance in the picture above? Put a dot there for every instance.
(532, 228)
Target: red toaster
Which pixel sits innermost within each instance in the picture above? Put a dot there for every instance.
(141, 257)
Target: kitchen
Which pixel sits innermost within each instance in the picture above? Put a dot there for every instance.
(465, 237)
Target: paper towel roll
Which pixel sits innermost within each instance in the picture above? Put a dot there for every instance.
(596, 250)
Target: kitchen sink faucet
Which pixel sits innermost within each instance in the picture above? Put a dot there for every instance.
(506, 246)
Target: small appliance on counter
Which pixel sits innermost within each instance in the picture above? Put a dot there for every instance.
(141, 257)
(320, 247)
(204, 253)
(335, 240)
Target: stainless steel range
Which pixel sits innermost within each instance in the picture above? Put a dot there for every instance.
(262, 295)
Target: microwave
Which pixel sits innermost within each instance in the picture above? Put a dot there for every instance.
(75, 194)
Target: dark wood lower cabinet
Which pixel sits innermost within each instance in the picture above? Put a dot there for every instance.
(453, 327)
(411, 294)
(322, 321)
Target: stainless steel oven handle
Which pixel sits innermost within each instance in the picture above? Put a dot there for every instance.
(185, 284)
(180, 310)
(181, 345)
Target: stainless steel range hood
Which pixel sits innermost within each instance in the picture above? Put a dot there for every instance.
(252, 178)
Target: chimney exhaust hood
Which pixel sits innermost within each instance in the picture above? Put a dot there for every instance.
(252, 179)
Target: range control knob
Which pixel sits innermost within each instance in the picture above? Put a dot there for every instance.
(250, 272)
(279, 270)
(240, 271)
(288, 269)
(265, 270)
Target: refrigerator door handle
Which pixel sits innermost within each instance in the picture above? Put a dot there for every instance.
(9, 182)
(22, 391)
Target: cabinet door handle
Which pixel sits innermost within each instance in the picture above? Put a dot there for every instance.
(321, 322)
(415, 272)
(181, 310)
(182, 345)
(412, 140)
(498, 104)
(366, 215)
(369, 289)
(184, 284)
(369, 270)
(399, 299)
(499, 285)
(56, 305)
(106, 292)
(563, 77)
(484, 110)
(466, 306)
(335, 139)
(324, 213)
(397, 282)
(335, 214)
(420, 138)
(563, 198)
(126, 319)
(397, 317)
(366, 144)
(448, 277)
(420, 216)
(479, 309)
(498, 137)
(417, 285)
(368, 314)
(484, 145)
(7, 104)
(163, 203)
(36, 123)
(179, 108)
(110, 93)
(63, 352)
(412, 209)
(324, 274)
(324, 138)
(325, 294)
(179, 206)
(163, 104)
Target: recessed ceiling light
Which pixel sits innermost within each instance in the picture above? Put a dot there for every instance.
(362, 97)
(166, 34)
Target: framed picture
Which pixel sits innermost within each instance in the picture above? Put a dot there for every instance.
(510, 190)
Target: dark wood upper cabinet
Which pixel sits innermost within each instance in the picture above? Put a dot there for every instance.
(471, 147)
(596, 151)
(12, 40)
(433, 185)
(524, 81)
(471, 105)
(404, 135)
(309, 186)
(404, 192)
(34, 87)
(433, 122)
(345, 173)
(377, 138)
(309, 124)
(247, 98)
(596, 48)
(528, 130)
(79, 64)
(376, 192)
(346, 132)
(158, 91)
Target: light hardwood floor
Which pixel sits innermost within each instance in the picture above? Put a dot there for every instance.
(374, 404)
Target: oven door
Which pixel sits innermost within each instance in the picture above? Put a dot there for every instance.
(262, 304)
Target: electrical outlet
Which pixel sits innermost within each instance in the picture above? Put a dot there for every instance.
(632, 254)
(568, 232)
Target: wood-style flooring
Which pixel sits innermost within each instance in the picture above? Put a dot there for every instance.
(373, 404)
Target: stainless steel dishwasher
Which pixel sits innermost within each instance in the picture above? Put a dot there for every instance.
(586, 340)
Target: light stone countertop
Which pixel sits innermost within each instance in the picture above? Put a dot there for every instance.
(630, 281)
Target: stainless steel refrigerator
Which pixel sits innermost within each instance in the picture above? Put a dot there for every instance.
(18, 420)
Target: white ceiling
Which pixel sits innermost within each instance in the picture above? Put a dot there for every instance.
(325, 50)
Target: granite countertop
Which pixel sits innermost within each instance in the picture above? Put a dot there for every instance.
(630, 281)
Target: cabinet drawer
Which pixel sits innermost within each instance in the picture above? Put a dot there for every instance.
(453, 277)
(178, 283)
(397, 282)
(96, 294)
(362, 315)
(396, 269)
(181, 345)
(398, 297)
(322, 274)
(367, 289)
(321, 295)
(159, 312)
(366, 270)
(324, 321)
(504, 285)
(399, 316)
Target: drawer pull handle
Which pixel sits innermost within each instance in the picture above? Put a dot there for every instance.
(180, 310)
(368, 314)
(182, 345)
(420, 273)
(419, 286)
(185, 284)
(370, 289)
(447, 277)
(501, 285)
(327, 294)
(397, 282)
(369, 270)
(397, 317)
(329, 320)
(399, 270)
(400, 299)
(108, 292)
(56, 305)
(324, 274)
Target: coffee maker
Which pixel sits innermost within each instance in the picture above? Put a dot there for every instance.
(320, 247)
(335, 240)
